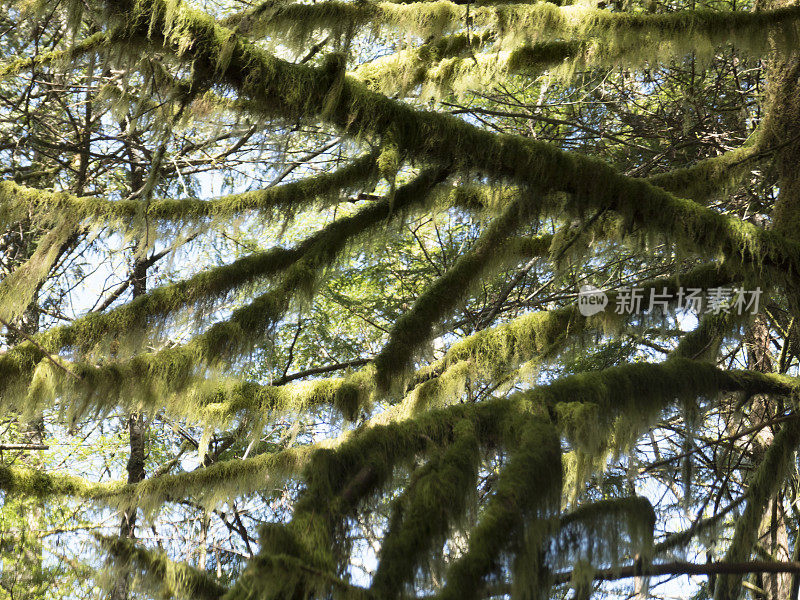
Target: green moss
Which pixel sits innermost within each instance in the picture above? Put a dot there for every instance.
(515, 520)
(668, 33)
(292, 91)
(415, 327)
(156, 573)
(219, 403)
(623, 401)
(762, 486)
(85, 46)
(434, 500)
(159, 375)
(288, 198)
(18, 289)
(704, 341)
(31, 482)
(604, 532)
(713, 176)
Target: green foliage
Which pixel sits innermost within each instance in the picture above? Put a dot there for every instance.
(388, 370)
(166, 577)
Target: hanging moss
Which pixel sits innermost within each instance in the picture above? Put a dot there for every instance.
(93, 42)
(713, 176)
(305, 558)
(406, 70)
(17, 200)
(147, 378)
(204, 288)
(704, 341)
(433, 501)
(155, 572)
(338, 481)
(604, 532)
(219, 403)
(170, 379)
(270, 576)
(414, 328)
(587, 405)
(498, 350)
(669, 33)
(762, 486)
(19, 288)
(526, 495)
(677, 541)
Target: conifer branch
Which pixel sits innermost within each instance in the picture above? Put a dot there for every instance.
(591, 183)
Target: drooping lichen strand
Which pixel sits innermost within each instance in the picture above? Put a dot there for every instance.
(156, 573)
(19, 288)
(432, 503)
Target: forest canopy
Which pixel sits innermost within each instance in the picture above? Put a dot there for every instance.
(383, 299)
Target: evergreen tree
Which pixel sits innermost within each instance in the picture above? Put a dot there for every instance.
(292, 299)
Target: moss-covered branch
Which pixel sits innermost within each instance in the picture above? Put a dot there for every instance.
(527, 494)
(30, 482)
(137, 317)
(656, 35)
(291, 90)
(713, 176)
(91, 43)
(763, 485)
(17, 201)
(597, 532)
(414, 327)
(151, 378)
(433, 502)
(156, 572)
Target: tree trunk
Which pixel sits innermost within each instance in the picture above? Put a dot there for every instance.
(135, 420)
